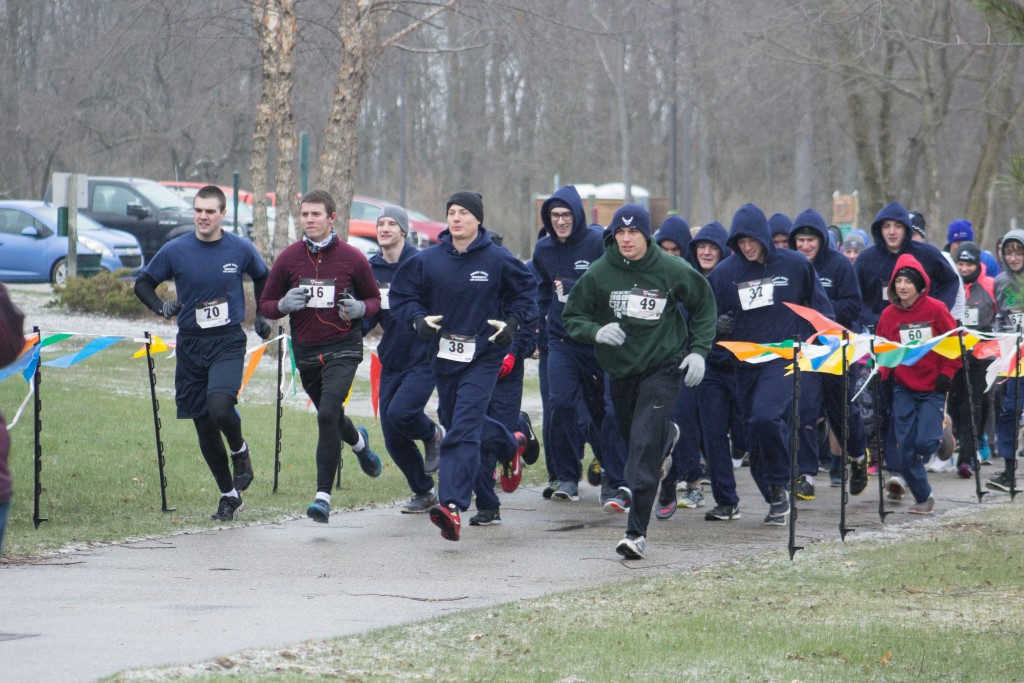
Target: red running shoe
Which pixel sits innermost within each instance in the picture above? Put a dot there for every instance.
(447, 519)
(512, 471)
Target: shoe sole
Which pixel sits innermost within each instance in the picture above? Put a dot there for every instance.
(665, 512)
(612, 507)
(690, 505)
(317, 515)
(474, 522)
(775, 520)
(444, 522)
(231, 518)
(920, 512)
(997, 487)
(628, 552)
(509, 483)
(805, 496)
(558, 495)
(718, 518)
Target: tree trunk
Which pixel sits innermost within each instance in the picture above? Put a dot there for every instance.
(260, 144)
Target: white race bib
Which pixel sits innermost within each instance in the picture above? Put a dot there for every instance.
(885, 292)
(756, 293)
(385, 304)
(915, 333)
(970, 316)
(212, 313)
(320, 292)
(456, 347)
(645, 304)
(560, 292)
(1017, 319)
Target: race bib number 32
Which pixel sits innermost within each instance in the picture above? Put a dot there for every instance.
(212, 313)
(645, 304)
(457, 347)
(756, 294)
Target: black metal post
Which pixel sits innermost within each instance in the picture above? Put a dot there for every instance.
(794, 449)
(844, 440)
(37, 406)
(156, 424)
(876, 396)
(280, 392)
(975, 461)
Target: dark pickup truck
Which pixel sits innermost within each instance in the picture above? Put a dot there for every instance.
(144, 208)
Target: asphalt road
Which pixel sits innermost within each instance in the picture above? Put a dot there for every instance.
(187, 598)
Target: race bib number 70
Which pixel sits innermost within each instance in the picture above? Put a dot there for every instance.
(212, 313)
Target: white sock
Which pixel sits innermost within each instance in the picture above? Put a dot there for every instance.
(326, 497)
(360, 444)
(244, 446)
(233, 493)
(860, 459)
(809, 478)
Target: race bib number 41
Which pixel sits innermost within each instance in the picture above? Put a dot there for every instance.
(456, 347)
(212, 313)
(756, 294)
(915, 333)
(321, 292)
(645, 304)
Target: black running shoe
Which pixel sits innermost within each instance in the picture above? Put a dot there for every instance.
(723, 513)
(594, 472)
(229, 506)
(1002, 482)
(242, 464)
(532, 452)
(858, 476)
(485, 518)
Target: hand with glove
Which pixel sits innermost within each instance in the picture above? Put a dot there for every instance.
(506, 366)
(350, 307)
(262, 327)
(725, 323)
(295, 300)
(506, 330)
(169, 309)
(427, 326)
(611, 335)
(943, 384)
(693, 367)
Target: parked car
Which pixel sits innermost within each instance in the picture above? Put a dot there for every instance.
(363, 221)
(144, 208)
(31, 250)
(187, 189)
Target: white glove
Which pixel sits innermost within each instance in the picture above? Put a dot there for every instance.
(611, 334)
(693, 366)
(434, 321)
(498, 325)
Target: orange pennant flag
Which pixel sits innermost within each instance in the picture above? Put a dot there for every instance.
(374, 382)
(30, 341)
(818, 321)
(254, 360)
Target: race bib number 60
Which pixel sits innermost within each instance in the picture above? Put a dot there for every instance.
(756, 293)
(915, 333)
(212, 313)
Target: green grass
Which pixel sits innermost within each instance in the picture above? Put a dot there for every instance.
(942, 604)
(100, 477)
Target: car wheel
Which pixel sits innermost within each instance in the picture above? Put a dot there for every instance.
(59, 273)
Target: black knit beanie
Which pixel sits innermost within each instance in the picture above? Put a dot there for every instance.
(469, 200)
(913, 275)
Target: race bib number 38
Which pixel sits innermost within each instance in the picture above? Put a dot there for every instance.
(456, 347)
(212, 313)
(915, 333)
(756, 294)
(321, 292)
(645, 304)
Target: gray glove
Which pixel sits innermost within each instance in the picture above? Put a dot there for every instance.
(611, 334)
(351, 307)
(725, 323)
(693, 367)
(169, 309)
(295, 300)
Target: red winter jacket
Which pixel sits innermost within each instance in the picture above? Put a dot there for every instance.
(926, 311)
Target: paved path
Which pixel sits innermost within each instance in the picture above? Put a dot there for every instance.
(191, 597)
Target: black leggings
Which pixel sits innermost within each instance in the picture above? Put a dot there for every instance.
(327, 385)
(221, 418)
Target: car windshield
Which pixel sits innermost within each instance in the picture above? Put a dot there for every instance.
(49, 216)
(161, 196)
(417, 216)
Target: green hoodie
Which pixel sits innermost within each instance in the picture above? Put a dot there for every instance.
(643, 297)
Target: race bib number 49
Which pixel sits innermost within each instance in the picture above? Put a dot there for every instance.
(645, 304)
(915, 333)
(456, 347)
(756, 294)
(212, 313)
(321, 292)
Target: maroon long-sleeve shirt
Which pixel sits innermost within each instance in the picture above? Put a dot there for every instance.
(329, 272)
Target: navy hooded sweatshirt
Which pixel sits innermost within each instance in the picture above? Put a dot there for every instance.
(486, 282)
(676, 229)
(400, 347)
(835, 272)
(713, 232)
(875, 264)
(560, 264)
(790, 276)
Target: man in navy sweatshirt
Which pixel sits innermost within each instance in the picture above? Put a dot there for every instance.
(573, 373)
(466, 297)
(753, 286)
(835, 272)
